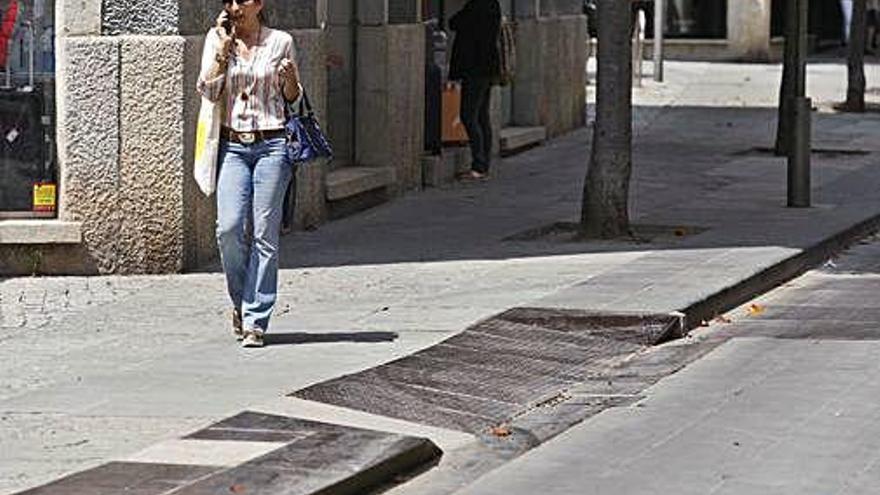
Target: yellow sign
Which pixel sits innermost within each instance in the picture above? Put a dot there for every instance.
(44, 196)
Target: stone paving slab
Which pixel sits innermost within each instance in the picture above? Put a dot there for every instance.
(779, 398)
(755, 416)
(257, 453)
(478, 391)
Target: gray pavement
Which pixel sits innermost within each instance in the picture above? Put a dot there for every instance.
(95, 369)
(786, 404)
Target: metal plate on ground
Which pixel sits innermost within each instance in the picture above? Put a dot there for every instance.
(496, 370)
(301, 458)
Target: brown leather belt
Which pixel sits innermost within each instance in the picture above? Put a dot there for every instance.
(249, 137)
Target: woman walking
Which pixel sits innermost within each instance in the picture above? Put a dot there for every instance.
(475, 61)
(250, 69)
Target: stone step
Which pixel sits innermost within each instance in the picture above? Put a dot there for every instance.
(442, 168)
(350, 181)
(514, 138)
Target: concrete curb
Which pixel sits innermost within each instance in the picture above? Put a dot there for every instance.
(775, 275)
(414, 456)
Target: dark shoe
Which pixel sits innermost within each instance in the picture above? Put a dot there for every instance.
(236, 325)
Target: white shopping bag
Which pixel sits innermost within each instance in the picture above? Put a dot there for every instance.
(207, 145)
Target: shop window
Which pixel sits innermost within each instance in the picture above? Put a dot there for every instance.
(28, 169)
(696, 19)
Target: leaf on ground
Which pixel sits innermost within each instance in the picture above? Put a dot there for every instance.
(501, 431)
(756, 309)
(723, 319)
(237, 488)
(680, 232)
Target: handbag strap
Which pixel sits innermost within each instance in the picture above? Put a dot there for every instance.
(304, 106)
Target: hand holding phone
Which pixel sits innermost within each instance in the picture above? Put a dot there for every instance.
(224, 24)
(226, 33)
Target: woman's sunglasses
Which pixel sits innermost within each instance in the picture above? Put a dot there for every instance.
(239, 2)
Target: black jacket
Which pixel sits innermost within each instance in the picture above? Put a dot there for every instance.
(475, 49)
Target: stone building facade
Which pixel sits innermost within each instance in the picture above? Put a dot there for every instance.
(743, 30)
(126, 110)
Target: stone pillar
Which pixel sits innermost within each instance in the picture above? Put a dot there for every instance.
(390, 94)
(748, 29)
(311, 207)
(549, 85)
(527, 9)
(372, 12)
(88, 144)
(404, 11)
(340, 76)
(529, 95)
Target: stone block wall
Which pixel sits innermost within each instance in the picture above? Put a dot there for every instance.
(199, 211)
(89, 143)
(311, 47)
(151, 154)
(550, 84)
(127, 108)
(390, 106)
(340, 72)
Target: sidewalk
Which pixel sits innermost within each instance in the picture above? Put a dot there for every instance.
(786, 404)
(99, 369)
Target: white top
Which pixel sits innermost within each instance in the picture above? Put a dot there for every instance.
(252, 89)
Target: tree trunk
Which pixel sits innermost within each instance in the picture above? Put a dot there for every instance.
(787, 90)
(855, 91)
(604, 209)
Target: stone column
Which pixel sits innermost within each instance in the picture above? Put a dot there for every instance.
(748, 29)
(390, 94)
(529, 95)
(548, 88)
(340, 76)
(404, 11)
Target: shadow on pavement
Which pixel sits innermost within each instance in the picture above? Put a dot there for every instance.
(324, 338)
(695, 169)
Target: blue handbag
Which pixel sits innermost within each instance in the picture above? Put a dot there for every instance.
(305, 140)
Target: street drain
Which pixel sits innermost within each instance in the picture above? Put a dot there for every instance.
(497, 370)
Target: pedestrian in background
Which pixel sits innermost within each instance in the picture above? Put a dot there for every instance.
(846, 9)
(476, 63)
(873, 25)
(250, 69)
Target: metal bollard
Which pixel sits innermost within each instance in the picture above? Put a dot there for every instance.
(799, 155)
(639, 50)
(659, 23)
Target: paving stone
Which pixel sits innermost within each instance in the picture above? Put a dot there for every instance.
(125, 477)
(312, 457)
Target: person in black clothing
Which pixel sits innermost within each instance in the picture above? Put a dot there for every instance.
(475, 62)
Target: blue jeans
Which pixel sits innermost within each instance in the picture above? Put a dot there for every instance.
(250, 192)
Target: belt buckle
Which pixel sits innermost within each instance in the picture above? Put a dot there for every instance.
(247, 137)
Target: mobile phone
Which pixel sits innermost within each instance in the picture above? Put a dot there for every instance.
(227, 25)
